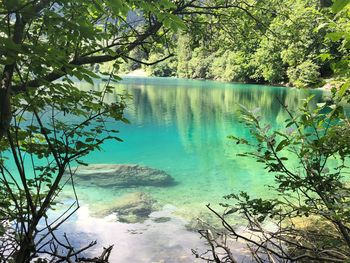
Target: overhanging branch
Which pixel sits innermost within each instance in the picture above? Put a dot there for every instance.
(148, 63)
(88, 60)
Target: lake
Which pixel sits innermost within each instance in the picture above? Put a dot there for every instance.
(181, 127)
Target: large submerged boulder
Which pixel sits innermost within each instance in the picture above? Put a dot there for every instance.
(129, 208)
(123, 175)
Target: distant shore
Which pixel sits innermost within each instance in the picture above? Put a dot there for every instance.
(137, 73)
(143, 73)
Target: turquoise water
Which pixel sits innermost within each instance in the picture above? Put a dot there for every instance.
(181, 126)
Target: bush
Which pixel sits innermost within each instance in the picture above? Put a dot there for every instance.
(238, 67)
(200, 63)
(268, 63)
(304, 75)
(308, 159)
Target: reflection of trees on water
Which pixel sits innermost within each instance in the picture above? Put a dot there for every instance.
(205, 115)
(203, 112)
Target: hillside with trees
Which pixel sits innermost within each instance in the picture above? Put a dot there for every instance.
(271, 42)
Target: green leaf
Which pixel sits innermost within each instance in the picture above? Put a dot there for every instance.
(335, 36)
(344, 88)
(80, 145)
(89, 139)
(325, 57)
(81, 163)
(231, 211)
(11, 4)
(339, 5)
(281, 145)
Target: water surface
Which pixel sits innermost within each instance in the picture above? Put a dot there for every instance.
(181, 126)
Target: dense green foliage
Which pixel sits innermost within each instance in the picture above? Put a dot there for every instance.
(270, 42)
(44, 44)
(308, 219)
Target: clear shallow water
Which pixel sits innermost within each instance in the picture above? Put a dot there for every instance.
(181, 127)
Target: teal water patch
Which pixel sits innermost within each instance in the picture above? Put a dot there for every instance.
(181, 126)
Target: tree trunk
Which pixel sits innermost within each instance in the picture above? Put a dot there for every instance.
(5, 104)
(6, 81)
(25, 251)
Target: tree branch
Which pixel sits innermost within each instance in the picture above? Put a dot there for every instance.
(149, 63)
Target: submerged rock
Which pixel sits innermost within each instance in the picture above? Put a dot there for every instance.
(130, 208)
(126, 175)
(162, 219)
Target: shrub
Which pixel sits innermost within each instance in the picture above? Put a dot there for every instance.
(305, 74)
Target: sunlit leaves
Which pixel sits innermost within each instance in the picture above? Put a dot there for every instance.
(173, 22)
(338, 5)
(339, 39)
(344, 87)
(119, 7)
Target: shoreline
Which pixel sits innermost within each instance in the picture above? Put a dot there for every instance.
(143, 74)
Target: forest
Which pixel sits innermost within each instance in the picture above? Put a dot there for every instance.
(235, 148)
(270, 42)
